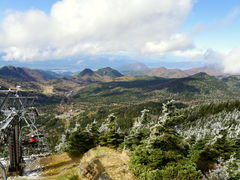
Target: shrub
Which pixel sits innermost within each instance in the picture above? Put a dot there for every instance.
(182, 170)
(79, 142)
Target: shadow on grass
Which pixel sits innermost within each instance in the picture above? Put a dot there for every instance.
(54, 166)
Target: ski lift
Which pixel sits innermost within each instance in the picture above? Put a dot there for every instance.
(18, 129)
(36, 138)
(38, 135)
(34, 143)
(33, 140)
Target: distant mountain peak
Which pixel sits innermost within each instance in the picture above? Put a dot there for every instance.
(139, 66)
(25, 74)
(108, 71)
(213, 71)
(101, 75)
(166, 73)
(134, 68)
(16, 72)
(201, 75)
(86, 72)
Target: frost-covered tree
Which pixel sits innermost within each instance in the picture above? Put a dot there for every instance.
(64, 138)
(224, 170)
(139, 131)
(170, 115)
(169, 109)
(165, 127)
(143, 118)
(159, 154)
(92, 128)
(214, 137)
(109, 124)
(62, 144)
(110, 135)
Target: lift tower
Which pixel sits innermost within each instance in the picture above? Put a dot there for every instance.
(14, 110)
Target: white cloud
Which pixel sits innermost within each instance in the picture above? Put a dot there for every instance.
(177, 42)
(213, 57)
(94, 26)
(190, 54)
(231, 61)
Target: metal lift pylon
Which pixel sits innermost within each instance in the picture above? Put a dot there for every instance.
(14, 148)
(10, 127)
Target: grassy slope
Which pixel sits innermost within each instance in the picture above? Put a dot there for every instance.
(53, 167)
(61, 167)
(115, 163)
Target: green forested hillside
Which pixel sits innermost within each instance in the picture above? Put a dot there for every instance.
(197, 87)
(166, 140)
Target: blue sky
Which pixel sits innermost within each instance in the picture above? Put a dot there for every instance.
(195, 28)
(23, 5)
(212, 14)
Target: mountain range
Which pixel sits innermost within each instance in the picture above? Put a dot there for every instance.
(198, 87)
(142, 69)
(98, 61)
(134, 69)
(11, 76)
(110, 83)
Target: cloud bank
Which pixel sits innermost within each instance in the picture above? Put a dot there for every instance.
(228, 62)
(176, 42)
(231, 61)
(76, 27)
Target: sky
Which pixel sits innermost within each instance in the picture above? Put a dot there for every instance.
(205, 31)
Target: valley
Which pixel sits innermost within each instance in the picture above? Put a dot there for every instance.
(93, 110)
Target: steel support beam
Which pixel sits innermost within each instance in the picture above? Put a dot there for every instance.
(14, 146)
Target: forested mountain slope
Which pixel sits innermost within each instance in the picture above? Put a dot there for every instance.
(196, 87)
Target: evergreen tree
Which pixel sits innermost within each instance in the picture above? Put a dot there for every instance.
(110, 134)
(160, 154)
(93, 130)
(79, 142)
(139, 131)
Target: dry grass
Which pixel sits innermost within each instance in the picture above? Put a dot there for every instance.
(56, 164)
(47, 89)
(62, 167)
(115, 163)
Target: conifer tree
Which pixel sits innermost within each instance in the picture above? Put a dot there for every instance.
(110, 134)
(158, 156)
(139, 131)
(79, 142)
(93, 130)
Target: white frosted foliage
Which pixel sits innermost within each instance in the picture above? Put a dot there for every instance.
(211, 126)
